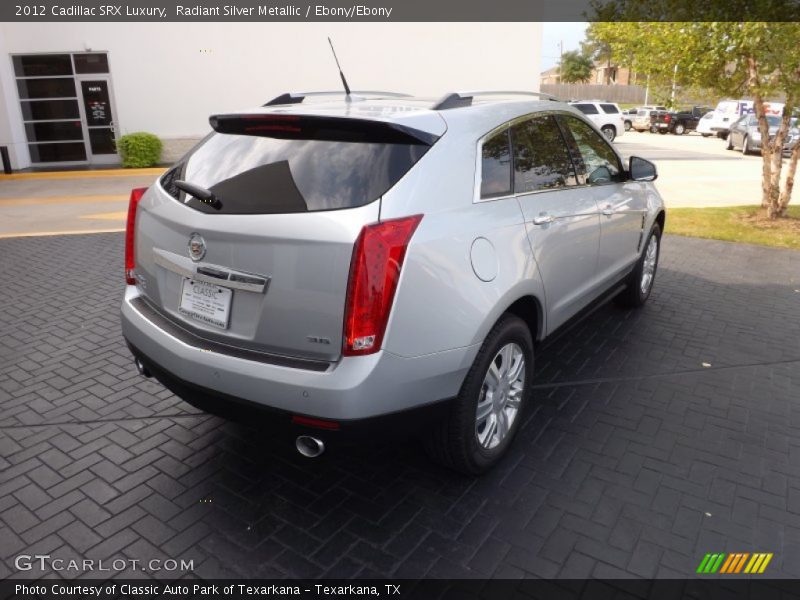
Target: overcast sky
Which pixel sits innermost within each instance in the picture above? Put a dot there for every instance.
(552, 33)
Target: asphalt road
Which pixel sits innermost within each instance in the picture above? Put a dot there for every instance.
(656, 436)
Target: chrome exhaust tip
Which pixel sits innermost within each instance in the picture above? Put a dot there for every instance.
(143, 371)
(308, 446)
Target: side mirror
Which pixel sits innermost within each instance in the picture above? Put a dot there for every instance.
(641, 169)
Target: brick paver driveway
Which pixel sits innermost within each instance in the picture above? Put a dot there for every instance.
(659, 435)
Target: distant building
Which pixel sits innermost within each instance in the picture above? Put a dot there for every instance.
(602, 74)
(551, 76)
(605, 74)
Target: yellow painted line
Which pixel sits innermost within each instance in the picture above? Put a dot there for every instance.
(84, 174)
(727, 564)
(51, 233)
(63, 200)
(765, 563)
(109, 216)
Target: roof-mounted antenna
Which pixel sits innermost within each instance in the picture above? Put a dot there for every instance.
(344, 81)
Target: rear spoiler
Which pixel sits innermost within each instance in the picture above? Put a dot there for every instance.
(323, 128)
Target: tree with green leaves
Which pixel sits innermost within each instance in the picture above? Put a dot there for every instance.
(575, 67)
(760, 60)
(599, 52)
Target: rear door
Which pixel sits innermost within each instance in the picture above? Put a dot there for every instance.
(622, 203)
(268, 269)
(560, 216)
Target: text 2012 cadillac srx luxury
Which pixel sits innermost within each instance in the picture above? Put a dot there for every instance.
(343, 262)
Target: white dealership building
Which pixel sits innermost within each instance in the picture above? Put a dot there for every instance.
(67, 89)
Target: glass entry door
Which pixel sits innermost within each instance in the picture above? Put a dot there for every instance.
(98, 118)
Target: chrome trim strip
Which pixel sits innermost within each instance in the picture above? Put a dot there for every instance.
(188, 338)
(238, 280)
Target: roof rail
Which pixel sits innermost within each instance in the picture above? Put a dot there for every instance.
(298, 97)
(459, 99)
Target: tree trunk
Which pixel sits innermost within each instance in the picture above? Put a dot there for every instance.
(766, 158)
(786, 194)
(770, 164)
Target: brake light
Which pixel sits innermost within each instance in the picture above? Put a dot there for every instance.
(374, 272)
(667, 118)
(130, 227)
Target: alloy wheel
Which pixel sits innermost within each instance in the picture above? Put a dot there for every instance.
(649, 264)
(500, 396)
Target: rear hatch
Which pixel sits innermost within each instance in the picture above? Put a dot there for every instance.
(258, 255)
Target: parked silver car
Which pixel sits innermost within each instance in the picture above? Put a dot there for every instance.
(745, 133)
(346, 264)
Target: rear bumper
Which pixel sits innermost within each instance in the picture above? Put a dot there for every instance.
(355, 388)
(281, 423)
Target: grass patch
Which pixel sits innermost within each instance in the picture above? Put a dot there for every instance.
(746, 224)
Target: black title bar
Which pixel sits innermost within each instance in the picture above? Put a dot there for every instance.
(398, 10)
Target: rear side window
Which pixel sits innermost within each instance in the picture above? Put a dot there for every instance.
(587, 109)
(609, 109)
(496, 166)
(598, 162)
(541, 158)
(252, 174)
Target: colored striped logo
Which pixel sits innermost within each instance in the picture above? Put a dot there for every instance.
(737, 562)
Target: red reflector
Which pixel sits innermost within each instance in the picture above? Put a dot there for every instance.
(374, 272)
(312, 422)
(130, 230)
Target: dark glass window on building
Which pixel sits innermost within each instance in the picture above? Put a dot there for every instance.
(54, 131)
(91, 63)
(46, 88)
(42, 110)
(102, 140)
(63, 152)
(42, 65)
(541, 159)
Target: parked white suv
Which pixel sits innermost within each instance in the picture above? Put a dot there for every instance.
(606, 115)
(356, 263)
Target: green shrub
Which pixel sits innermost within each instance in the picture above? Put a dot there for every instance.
(139, 149)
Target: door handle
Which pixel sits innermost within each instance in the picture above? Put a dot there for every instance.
(543, 219)
(608, 210)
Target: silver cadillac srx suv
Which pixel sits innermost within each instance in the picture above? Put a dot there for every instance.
(338, 264)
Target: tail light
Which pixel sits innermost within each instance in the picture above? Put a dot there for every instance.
(374, 272)
(130, 230)
(667, 118)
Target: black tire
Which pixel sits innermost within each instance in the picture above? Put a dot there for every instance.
(453, 442)
(609, 132)
(706, 134)
(653, 129)
(633, 296)
(680, 129)
(730, 143)
(628, 125)
(745, 146)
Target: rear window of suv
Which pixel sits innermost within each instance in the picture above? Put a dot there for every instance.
(609, 109)
(253, 174)
(587, 109)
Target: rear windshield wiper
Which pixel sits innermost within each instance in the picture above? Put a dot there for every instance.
(205, 196)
